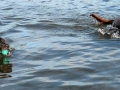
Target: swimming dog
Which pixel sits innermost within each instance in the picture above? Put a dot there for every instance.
(4, 47)
(113, 30)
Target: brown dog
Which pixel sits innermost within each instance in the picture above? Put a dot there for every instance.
(115, 23)
(113, 31)
(4, 46)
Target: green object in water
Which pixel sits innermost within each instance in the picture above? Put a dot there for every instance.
(5, 61)
(4, 52)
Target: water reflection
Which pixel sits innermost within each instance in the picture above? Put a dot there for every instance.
(5, 67)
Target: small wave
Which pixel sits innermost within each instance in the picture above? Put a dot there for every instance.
(8, 27)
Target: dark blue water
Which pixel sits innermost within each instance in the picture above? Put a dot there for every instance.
(55, 45)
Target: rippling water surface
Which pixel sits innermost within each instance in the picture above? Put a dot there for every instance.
(55, 45)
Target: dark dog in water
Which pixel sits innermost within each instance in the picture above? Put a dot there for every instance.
(113, 30)
(4, 48)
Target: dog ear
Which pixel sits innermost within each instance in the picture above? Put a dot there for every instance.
(2, 40)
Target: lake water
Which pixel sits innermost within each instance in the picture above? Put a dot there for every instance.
(55, 45)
